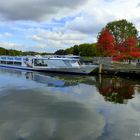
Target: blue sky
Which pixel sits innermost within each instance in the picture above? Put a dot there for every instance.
(49, 25)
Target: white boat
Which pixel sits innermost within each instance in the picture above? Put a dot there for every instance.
(46, 64)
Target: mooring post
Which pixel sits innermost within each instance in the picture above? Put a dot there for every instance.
(100, 68)
(100, 78)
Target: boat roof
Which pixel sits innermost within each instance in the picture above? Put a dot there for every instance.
(51, 58)
(40, 57)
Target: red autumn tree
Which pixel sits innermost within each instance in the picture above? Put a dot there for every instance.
(132, 51)
(106, 43)
(107, 46)
(131, 44)
(125, 45)
(127, 50)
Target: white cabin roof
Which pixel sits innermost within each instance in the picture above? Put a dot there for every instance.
(20, 58)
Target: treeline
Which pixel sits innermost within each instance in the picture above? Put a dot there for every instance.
(13, 52)
(82, 50)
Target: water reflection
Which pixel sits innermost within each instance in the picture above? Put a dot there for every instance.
(39, 106)
(52, 80)
(116, 89)
(37, 115)
(59, 80)
(113, 89)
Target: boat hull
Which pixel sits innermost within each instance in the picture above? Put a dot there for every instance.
(75, 70)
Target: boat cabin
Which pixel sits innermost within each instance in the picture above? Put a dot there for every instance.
(39, 61)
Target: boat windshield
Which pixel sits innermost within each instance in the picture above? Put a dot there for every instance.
(40, 62)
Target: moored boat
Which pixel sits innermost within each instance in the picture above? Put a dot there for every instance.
(46, 64)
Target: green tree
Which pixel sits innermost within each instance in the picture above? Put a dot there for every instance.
(2, 51)
(83, 50)
(60, 52)
(121, 30)
(87, 49)
(76, 50)
(69, 50)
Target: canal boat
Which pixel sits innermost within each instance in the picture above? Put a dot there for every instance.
(46, 64)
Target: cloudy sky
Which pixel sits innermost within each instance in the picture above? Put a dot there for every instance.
(49, 25)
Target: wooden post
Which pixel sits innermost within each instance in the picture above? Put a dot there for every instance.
(100, 78)
(100, 69)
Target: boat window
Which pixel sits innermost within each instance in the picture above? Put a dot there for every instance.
(10, 62)
(40, 62)
(3, 62)
(68, 63)
(17, 63)
(73, 61)
(26, 59)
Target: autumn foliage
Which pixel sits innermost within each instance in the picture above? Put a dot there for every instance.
(106, 43)
(119, 51)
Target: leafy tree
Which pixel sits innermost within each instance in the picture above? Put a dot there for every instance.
(119, 39)
(31, 53)
(83, 50)
(132, 50)
(2, 51)
(60, 52)
(138, 43)
(12, 52)
(121, 30)
(106, 43)
(128, 50)
(69, 50)
(76, 50)
(87, 49)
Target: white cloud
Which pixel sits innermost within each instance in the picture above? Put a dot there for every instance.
(70, 22)
(57, 40)
(11, 45)
(6, 35)
(96, 14)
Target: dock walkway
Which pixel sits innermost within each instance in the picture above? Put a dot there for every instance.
(121, 69)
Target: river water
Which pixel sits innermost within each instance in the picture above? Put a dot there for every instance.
(39, 106)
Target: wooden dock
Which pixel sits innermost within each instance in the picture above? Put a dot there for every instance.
(118, 69)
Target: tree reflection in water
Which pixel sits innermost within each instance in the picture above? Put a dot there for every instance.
(115, 89)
